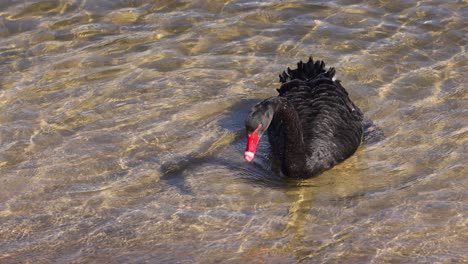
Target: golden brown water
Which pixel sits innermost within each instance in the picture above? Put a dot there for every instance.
(121, 132)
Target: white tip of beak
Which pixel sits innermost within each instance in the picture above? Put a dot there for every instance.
(248, 156)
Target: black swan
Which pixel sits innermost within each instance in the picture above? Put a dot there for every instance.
(312, 124)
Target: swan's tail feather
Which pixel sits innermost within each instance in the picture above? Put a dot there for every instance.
(307, 71)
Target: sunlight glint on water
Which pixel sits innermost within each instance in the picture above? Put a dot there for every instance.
(122, 132)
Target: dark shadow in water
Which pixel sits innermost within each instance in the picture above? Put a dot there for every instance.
(372, 133)
(173, 172)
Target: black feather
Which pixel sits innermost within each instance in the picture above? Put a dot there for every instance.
(307, 71)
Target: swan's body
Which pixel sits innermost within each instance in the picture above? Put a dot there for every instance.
(312, 124)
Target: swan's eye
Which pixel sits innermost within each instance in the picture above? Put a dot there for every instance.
(254, 131)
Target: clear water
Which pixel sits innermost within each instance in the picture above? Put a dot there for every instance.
(121, 132)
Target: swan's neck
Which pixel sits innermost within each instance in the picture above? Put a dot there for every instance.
(294, 163)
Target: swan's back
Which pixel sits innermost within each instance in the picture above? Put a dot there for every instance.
(331, 123)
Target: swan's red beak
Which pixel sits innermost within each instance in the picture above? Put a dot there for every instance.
(252, 143)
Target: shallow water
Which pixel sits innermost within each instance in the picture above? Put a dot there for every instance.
(121, 132)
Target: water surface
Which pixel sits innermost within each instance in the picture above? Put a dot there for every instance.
(121, 132)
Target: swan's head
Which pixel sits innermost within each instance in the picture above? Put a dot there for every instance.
(256, 124)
